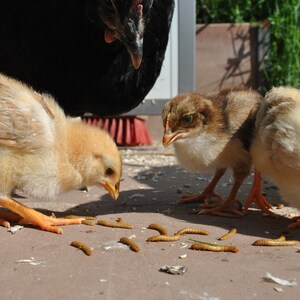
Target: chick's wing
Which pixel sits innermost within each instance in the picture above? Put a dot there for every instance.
(241, 105)
(27, 119)
(278, 127)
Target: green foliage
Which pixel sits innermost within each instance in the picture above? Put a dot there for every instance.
(231, 11)
(284, 57)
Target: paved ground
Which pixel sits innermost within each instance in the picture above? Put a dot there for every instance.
(40, 265)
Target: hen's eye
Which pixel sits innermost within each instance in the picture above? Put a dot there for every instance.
(109, 172)
(187, 120)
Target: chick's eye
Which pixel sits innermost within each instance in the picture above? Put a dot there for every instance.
(109, 171)
(187, 120)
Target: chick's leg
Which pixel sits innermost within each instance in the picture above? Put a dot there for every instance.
(207, 193)
(31, 216)
(257, 197)
(231, 206)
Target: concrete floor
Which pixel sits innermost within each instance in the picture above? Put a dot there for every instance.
(41, 265)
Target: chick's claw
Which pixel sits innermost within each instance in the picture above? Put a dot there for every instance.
(7, 217)
(226, 210)
(4, 223)
(25, 215)
(48, 223)
(42, 221)
(207, 193)
(202, 197)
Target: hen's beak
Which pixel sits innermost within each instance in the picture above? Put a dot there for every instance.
(135, 49)
(113, 190)
(136, 52)
(170, 138)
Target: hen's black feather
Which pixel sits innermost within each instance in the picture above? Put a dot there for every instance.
(58, 46)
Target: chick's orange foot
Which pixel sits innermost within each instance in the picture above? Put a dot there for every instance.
(208, 193)
(257, 197)
(226, 209)
(47, 223)
(25, 215)
(201, 197)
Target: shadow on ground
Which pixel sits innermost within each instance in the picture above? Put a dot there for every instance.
(160, 187)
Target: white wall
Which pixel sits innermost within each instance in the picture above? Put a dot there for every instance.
(166, 86)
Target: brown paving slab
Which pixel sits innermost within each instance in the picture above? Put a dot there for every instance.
(152, 182)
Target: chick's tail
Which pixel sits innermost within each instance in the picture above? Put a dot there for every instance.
(22, 214)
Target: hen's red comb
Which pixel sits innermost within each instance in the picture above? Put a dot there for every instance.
(136, 6)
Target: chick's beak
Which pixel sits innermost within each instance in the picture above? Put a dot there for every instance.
(113, 190)
(170, 138)
(136, 52)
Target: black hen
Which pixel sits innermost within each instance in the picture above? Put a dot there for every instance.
(98, 56)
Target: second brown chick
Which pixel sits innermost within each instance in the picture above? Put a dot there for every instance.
(213, 133)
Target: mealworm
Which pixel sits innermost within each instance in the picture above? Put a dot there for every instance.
(115, 225)
(215, 248)
(280, 206)
(78, 217)
(87, 250)
(159, 228)
(163, 238)
(281, 238)
(276, 242)
(192, 231)
(87, 222)
(132, 245)
(228, 235)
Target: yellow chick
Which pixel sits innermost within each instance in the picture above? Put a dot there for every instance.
(276, 147)
(45, 153)
(213, 133)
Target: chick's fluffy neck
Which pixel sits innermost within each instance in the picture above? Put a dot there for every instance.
(76, 145)
(200, 151)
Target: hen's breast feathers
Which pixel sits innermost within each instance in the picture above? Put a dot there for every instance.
(83, 72)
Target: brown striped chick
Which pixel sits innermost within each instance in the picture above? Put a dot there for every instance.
(213, 133)
(276, 147)
(46, 153)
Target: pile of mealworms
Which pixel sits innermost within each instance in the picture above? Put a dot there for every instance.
(165, 237)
